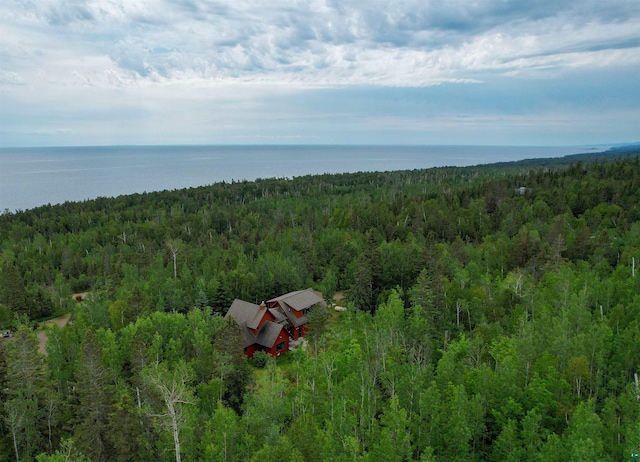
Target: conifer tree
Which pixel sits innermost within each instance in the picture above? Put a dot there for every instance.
(94, 401)
(25, 384)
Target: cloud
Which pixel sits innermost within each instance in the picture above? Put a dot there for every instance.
(124, 66)
(317, 43)
(10, 78)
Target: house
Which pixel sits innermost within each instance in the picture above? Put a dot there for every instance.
(270, 326)
(295, 306)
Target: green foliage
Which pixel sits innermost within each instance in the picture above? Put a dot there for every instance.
(66, 453)
(260, 359)
(482, 323)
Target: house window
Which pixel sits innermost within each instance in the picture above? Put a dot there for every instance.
(279, 347)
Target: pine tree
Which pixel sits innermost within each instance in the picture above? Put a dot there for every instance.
(125, 428)
(229, 343)
(201, 300)
(94, 401)
(25, 386)
(222, 297)
(12, 290)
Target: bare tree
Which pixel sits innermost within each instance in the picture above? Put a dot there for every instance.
(14, 416)
(174, 248)
(173, 387)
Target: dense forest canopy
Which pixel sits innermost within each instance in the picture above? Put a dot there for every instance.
(493, 313)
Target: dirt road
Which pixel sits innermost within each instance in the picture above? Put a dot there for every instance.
(42, 330)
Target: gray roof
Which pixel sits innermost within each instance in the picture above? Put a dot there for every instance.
(293, 320)
(248, 338)
(299, 300)
(268, 334)
(297, 322)
(246, 313)
(280, 318)
(248, 316)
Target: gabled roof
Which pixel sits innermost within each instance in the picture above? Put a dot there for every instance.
(248, 338)
(268, 334)
(298, 300)
(291, 317)
(246, 313)
(280, 318)
(297, 322)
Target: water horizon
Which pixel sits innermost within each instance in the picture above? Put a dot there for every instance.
(35, 176)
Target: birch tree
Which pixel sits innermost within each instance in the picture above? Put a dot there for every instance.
(173, 387)
(174, 246)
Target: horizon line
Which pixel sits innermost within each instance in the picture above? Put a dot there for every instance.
(178, 145)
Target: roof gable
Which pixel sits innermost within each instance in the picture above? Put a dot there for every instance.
(278, 316)
(298, 300)
(246, 313)
(268, 334)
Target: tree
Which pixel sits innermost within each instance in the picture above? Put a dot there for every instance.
(318, 317)
(394, 439)
(362, 291)
(282, 451)
(234, 372)
(173, 387)
(118, 314)
(94, 395)
(584, 435)
(366, 286)
(222, 296)
(507, 447)
(3, 373)
(174, 246)
(266, 409)
(578, 372)
(421, 295)
(201, 300)
(633, 439)
(125, 428)
(456, 428)
(66, 453)
(223, 436)
(12, 290)
(14, 413)
(25, 386)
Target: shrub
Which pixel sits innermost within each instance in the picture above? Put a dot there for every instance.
(260, 359)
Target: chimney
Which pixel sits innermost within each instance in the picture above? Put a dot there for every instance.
(262, 305)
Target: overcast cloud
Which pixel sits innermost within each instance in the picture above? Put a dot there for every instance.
(427, 72)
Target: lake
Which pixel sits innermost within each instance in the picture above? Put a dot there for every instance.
(30, 177)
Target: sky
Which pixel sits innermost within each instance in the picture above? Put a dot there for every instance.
(481, 72)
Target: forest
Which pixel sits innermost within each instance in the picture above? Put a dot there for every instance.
(493, 314)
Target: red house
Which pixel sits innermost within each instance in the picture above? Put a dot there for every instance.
(295, 306)
(268, 327)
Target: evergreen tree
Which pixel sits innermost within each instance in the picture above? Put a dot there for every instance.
(125, 429)
(222, 297)
(230, 345)
(12, 290)
(94, 402)
(25, 387)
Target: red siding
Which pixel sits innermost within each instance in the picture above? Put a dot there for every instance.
(283, 337)
(250, 350)
(266, 317)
